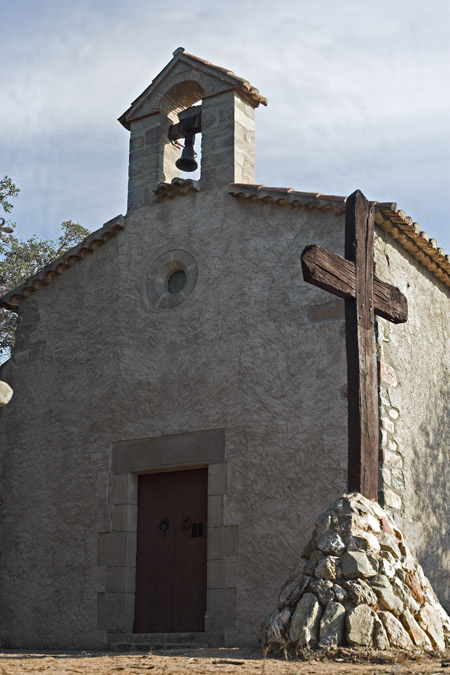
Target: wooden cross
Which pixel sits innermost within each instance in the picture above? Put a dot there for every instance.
(353, 279)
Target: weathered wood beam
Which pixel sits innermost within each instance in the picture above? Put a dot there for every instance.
(362, 374)
(335, 274)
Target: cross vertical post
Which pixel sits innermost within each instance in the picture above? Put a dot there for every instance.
(353, 279)
(363, 433)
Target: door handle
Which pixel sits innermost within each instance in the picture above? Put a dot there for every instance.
(163, 527)
(186, 524)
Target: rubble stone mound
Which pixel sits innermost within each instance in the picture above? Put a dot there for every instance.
(357, 585)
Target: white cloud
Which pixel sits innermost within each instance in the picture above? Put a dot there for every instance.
(357, 91)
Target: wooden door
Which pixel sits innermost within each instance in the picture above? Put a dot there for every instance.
(171, 552)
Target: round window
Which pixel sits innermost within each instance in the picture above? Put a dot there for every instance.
(177, 281)
(172, 277)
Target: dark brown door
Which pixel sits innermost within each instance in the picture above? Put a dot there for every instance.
(171, 552)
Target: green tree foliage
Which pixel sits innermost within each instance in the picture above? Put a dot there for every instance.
(21, 259)
(7, 190)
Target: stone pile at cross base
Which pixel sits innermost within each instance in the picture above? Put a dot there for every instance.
(357, 585)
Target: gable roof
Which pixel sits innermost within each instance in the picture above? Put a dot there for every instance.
(388, 217)
(228, 80)
(110, 229)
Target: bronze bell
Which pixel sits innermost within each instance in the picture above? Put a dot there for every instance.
(187, 160)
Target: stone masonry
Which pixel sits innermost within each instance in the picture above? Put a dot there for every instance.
(357, 584)
(228, 129)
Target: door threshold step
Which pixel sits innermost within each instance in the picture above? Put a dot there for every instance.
(154, 646)
(157, 638)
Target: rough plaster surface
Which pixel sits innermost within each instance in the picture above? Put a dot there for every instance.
(417, 411)
(252, 350)
(55, 458)
(240, 353)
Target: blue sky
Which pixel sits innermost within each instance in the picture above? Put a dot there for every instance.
(358, 94)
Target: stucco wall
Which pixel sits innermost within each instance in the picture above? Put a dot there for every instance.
(415, 404)
(54, 457)
(247, 352)
(242, 354)
(252, 350)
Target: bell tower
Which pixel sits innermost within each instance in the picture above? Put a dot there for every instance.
(163, 113)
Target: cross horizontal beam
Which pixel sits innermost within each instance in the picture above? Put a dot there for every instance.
(336, 274)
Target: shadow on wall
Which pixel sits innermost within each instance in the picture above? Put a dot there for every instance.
(431, 481)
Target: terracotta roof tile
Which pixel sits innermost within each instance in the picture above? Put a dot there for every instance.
(110, 229)
(245, 83)
(178, 186)
(230, 79)
(388, 217)
(333, 198)
(291, 197)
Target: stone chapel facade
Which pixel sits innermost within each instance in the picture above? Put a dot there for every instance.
(179, 415)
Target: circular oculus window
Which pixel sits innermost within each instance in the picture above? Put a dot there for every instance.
(172, 277)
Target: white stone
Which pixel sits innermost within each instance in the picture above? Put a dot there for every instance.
(324, 523)
(386, 568)
(387, 543)
(291, 591)
(323, 589)
(429, 619)
(409, 561)
(359, 626)
(386, 475)
(364, 541)
(377, 510)
(340, 593)
(419, 637)
(401, 590)
(275, 634)
(332, 625)
(445, 618)
(331, 543)
(380, 638)
(356, 564)
(392, 499)
(377, 571)
(398, 637)
(373, 523)
(5, 393)
(382, 587)
(328, 568)
(305, 622)
(388, 424)
(412, 605)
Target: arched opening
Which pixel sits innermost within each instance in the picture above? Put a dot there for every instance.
(178, 105)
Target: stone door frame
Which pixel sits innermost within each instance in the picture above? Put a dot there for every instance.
(117, 548)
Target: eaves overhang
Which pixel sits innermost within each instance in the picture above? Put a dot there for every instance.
(44, 276)
(228, 79)
(388, 217)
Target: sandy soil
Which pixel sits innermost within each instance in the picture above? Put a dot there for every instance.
(218, 661)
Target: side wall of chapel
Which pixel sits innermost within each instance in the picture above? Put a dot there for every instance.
(415, 411)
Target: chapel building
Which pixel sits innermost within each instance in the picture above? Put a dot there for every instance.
(179, 417)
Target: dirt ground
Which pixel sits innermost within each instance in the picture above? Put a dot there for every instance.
(219, 661)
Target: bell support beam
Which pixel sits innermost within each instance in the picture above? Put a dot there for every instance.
(192, 124)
